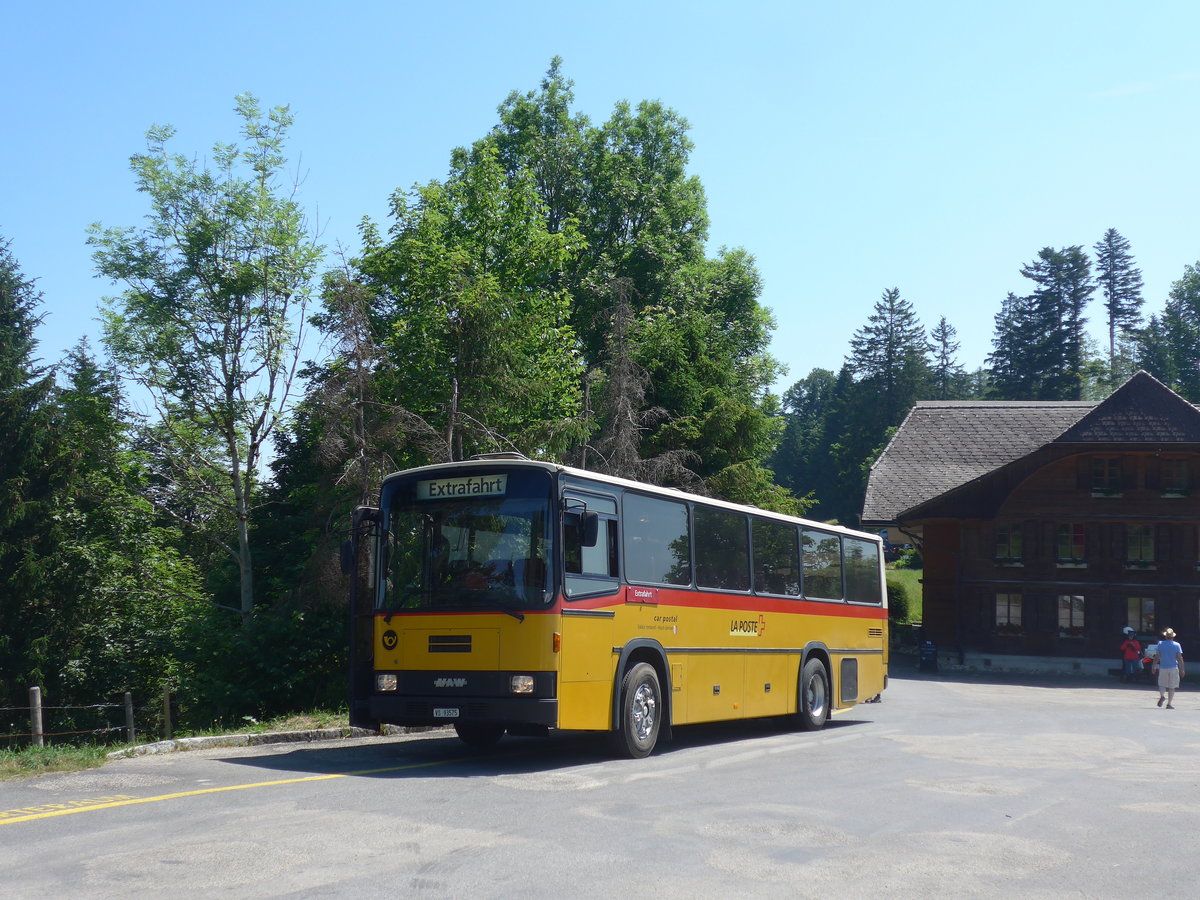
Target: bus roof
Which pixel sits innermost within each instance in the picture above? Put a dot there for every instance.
(674, 493)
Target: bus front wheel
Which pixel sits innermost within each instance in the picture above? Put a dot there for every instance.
(814, 696)
(640, 713)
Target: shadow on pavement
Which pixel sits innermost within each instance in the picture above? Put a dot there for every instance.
(442, 755)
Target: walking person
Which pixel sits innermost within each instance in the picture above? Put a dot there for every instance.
(1131, 656)
(1168, 663)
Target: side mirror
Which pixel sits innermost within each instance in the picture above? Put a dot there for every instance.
(589, 529)
(347, 556)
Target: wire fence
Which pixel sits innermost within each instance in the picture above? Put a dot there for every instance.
(39, 724)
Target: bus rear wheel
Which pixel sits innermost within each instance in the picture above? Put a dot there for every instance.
(813, 701)
(640, 713)
(479, 736)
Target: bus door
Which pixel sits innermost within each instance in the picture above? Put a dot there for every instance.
(591, 591)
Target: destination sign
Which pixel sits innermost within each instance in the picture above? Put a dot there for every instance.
(457, 488)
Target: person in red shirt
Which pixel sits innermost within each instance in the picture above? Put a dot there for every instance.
(1131, 654)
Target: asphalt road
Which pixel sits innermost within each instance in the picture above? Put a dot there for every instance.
(948, 788)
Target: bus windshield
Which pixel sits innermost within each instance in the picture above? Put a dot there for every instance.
(478, 542)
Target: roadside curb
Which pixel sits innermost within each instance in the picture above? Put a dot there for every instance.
(243, 740)
(267, 737)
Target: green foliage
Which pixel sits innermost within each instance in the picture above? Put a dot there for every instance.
(909, 559)
(469, 311)
(216, 284)
(753, 485)
(890, 355)
(16, 763)
(898, 600)
(1120, 283)
(948, 376)
(288, 657)
(28, 438)
(1039, 345)
(904, 595)
(1169, 346)
(93, 602)
(698, 332)
(837, 426)
(121, 591)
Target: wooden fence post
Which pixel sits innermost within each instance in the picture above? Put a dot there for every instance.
(129, 717)
(166, 713)
(35, 716)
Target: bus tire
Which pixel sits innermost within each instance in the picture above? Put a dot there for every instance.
(813, 700)
(640, 713)
(479, 735)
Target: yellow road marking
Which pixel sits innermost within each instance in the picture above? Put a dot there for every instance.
(51, 810)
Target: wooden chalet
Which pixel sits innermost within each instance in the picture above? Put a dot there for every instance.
(1046, 526)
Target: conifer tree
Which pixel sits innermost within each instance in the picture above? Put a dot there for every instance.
(26, 437)
(946, 370)
(1040, 343)
(1180, 323)
(1015, 358)
(891, 354)
(1120, 283)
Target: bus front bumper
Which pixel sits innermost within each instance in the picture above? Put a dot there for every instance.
(397, 709)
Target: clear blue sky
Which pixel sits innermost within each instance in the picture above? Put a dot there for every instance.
(930, 146)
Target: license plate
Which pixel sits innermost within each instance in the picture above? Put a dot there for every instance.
(445, 712)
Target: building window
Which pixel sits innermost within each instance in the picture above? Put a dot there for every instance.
(1106, 476)
(1071, 546)
(1008, 614)
(1070, 615)
(1174, 475)
(1141, 614)
(1008, 543)
(1139, 547)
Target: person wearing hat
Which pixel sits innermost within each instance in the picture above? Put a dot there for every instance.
(1131, 656)
(1169, 665)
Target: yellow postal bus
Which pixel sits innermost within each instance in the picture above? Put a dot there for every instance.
(507, 595)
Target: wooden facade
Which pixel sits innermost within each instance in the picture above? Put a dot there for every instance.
(1054, 551)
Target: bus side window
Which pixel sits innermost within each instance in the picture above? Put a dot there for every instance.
(821, 554)
(657, 540)
(722, 549)
(590, 569)
(600, 558)
(862, 570)
(776, 558)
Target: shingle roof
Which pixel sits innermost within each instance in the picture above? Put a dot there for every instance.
(1142, 409)
(943, 445)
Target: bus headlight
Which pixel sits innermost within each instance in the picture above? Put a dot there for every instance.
(385, 681)
(522, 684)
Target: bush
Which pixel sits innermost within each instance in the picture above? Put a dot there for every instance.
(898, 600)
(910, 559)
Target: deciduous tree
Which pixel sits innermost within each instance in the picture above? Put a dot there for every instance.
(472, 316)
(210, 322)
